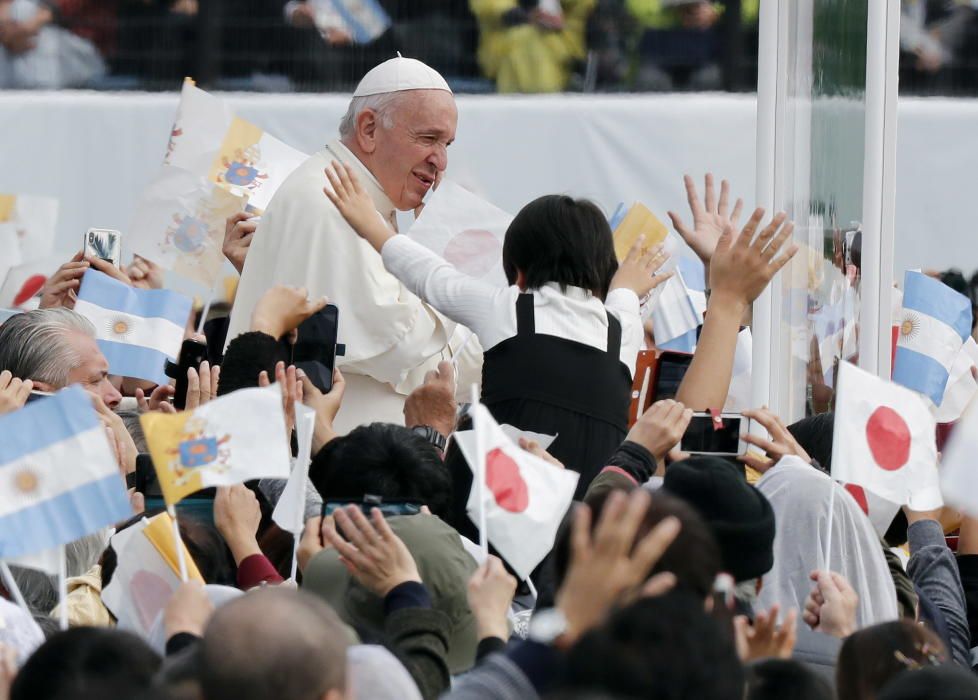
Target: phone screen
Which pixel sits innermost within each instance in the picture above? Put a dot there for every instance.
(701, 437)
(672, 369)
(104, 243)
(315, 348)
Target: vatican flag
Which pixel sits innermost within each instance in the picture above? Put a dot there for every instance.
(226, 441)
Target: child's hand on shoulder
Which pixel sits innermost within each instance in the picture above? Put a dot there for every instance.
(637, 270)
(354, 203)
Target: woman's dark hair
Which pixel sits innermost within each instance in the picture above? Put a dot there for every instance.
(776, 679)
(662, 648)
(694, 556)
(557, 238)
(386, 460)
(873, 655)
(950, 682)
(87, 661)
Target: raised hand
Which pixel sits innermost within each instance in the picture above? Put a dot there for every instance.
(13, 392)
(326, 406)
(765, 639)
(781, 444)
(433, 403)
(661, 427)
(288, 380)
(743, 265)
(202, 385)
(371, 552)
(609, 564)
(237, 516)
(282, 308)
(145, 274)
(490, 593)
(637, 270)
(831, 606)
(354, 203)
(188, 610)
(709, 218)
(158, 400)
(61, 288)
(238, 232)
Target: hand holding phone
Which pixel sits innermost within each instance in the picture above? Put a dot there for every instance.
(192, 354)
(315, 349)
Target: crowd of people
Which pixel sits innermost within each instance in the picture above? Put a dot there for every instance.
(526, 46)
(671, 576)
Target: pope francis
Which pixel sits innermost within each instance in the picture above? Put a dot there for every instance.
(395, 134)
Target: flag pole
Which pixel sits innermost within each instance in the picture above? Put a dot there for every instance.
(178, 542)
(207, 308)
(63, 587)
(480, 470)
(828, 544)
(11, 585)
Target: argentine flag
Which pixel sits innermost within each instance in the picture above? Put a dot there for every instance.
(936, 321)
(137, 329)
(59, 479)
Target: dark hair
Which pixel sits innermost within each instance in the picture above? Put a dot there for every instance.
(873, 655)
(777, 679)
(386, 460)
(950, 682)
(662, 648)
(556, 238)
(97, 662)
(693, 556)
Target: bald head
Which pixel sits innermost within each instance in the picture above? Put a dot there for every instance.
(274, 644)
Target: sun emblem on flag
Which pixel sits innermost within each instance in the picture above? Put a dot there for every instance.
(26, 481)
(910, 327)
(119, 327)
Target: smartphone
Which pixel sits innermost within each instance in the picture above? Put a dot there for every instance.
(657, 377)
(104, 243)
(314, 351)
(705, 437)
(200, 505)
(368, 503)
(192, 353)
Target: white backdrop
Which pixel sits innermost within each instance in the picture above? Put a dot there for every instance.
(95, 152)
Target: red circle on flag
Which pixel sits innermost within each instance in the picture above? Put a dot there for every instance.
(32, 285)
(859, 494)
(889, 438)
(504, 480)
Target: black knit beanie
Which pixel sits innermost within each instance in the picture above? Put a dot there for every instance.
(739, 515)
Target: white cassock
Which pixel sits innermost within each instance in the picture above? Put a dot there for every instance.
(392, 338)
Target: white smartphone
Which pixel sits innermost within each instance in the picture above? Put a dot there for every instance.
(104, 243)
(704, 436)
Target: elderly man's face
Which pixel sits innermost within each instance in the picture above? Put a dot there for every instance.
(92, 371)
(411, 153)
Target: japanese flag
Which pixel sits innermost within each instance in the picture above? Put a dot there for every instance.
(884, 440)
(524, 497)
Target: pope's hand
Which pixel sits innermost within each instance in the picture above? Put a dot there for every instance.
(354, 203)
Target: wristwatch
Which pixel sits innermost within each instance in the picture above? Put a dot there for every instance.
(431, 435)
(547, 625)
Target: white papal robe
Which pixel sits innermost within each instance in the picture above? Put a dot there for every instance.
(392, 338)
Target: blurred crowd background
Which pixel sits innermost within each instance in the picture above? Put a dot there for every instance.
(481, 46)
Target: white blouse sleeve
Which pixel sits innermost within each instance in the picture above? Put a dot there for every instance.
(623, 303)
(461, 298)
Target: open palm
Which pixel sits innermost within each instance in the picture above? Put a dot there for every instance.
(709, 218)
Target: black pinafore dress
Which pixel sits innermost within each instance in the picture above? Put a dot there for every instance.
(558, 386)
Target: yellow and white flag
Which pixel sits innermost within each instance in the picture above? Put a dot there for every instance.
(198, 130)
(227, 441)
(253, 163)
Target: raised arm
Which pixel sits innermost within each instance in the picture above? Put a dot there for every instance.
(740, 269)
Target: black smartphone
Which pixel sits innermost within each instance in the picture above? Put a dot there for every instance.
(368, 503)
(314, 351)
(192, 353)
(200, 505)
(707, 437)
(670, 370)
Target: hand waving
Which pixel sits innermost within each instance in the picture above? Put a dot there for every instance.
(709, 218)
(354, 203)
(637, 270)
